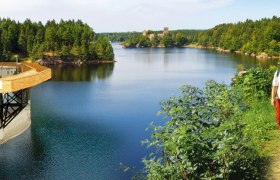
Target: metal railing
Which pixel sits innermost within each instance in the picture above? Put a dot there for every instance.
(11, 105)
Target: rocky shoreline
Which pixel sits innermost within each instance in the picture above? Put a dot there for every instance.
(56, 61)
(262, 55)
(258, 56)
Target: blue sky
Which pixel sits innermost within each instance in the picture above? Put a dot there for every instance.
(138, 15)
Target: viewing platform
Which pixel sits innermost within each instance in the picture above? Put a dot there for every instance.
(15, 81)
(27, 76)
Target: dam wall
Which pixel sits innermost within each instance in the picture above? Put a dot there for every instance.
(18, 125)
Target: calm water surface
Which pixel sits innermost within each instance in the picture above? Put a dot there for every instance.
(88, 120)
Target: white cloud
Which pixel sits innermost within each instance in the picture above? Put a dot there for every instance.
(110, 14)
(13, 5)
(20, 5)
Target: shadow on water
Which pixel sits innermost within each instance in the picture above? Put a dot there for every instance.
(81, 72)
(27, 149)
(245, 60)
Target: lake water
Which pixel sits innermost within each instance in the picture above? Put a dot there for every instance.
(88, 120)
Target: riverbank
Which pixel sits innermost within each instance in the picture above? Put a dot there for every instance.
(265, 137)
(260, 128)
(56, 61)
(262, 55)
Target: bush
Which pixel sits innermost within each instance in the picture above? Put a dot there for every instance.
(256, 82)
(214, 133)
(203, 137)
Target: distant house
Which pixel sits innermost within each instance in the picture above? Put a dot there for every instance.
(147, 32)
(144, 33)
(8, 71)
(165, 32)
(151, 35)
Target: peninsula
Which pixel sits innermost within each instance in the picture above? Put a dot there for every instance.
(258, 38)
(64, 42)
(160, 39)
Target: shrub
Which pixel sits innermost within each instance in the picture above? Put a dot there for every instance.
(215, 132)
(203, 136)
(256, 82)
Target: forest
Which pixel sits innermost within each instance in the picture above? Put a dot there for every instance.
(249, 36)
(149, 38)
(69, 40)
(119, 36)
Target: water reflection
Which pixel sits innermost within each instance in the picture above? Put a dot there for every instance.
(26, 149)
(82, 72)
(91, 126)
(246, 61)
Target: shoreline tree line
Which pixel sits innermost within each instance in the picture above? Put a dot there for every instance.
(149, 38)
(251, 37)
(69, 40)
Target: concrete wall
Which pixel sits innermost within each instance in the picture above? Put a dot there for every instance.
(17, 126)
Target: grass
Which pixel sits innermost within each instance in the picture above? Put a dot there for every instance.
(264, 136)
(271, 148)
(272, 144)
(261, 125)
(270, 135)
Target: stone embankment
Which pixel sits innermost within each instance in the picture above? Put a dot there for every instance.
(260, 56)
(56, 61)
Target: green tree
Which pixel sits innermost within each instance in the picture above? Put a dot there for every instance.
(180, 39)
(103, 49)
(167, 41)
(204, 136)
(249, 36)
(50, 36)
(68, 39)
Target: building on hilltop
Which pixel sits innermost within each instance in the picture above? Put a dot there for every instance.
(151, 35)
(144, 33)
(165, 32)
(147, 32)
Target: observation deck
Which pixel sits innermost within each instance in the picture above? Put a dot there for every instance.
(15, 81)
(28, 75)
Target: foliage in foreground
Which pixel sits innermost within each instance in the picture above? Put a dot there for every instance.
(255, 83)
(214, 133)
